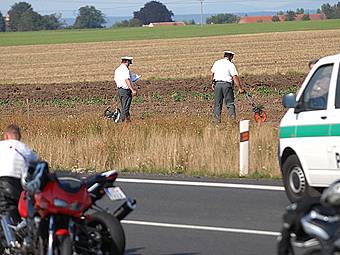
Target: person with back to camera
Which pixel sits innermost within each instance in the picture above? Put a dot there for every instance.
(126, 90)
(223, 76)
(14, 156)
(12, 167)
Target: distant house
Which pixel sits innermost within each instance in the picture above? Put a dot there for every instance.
(158, 24)
(316, 16)
(259, 19)
(255, 19)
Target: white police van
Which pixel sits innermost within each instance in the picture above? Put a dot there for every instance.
(309, 148)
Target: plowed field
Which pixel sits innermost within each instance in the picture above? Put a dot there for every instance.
(77, 78)
(191, 97)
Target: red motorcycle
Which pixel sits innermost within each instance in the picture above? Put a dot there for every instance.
(56, 217)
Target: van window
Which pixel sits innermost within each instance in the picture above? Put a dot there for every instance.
(337, 95)
(315, 95)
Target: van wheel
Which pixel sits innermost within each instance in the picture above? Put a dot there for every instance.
(294, 179)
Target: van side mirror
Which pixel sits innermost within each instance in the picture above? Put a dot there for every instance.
(289, 100)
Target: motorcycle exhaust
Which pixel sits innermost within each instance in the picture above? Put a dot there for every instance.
(9, 235)
(125, 209)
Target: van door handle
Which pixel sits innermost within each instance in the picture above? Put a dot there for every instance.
(323, 117)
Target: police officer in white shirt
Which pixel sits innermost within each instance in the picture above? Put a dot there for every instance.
(125, 86)
(12, 166)
(223, 76)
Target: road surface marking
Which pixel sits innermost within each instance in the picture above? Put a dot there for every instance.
(202, 184)
(207, 228)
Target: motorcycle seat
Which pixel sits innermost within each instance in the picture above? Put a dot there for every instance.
(92, 179)
(69, 184)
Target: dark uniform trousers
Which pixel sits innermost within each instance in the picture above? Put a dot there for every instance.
(10, 191)
(224, 90)
(125, 97)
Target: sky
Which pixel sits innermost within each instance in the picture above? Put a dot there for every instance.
(119, 8)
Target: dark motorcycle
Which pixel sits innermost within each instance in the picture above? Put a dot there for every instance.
(313, 224)
(57, 219)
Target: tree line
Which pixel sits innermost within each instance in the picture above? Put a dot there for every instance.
(330, 12)
(22, 17)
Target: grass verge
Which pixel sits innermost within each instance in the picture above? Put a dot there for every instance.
(164, 145)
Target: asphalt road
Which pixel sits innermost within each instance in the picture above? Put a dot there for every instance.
(176, 219)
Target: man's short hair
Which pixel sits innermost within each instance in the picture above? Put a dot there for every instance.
(14, 130)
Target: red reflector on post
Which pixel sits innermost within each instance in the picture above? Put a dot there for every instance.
(244, 136)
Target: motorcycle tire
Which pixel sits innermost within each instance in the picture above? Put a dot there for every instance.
(111, 231)
(65, 246)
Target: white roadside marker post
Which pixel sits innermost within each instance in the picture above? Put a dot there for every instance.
(244, 147)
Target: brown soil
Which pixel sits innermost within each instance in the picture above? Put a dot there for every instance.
(157, 97)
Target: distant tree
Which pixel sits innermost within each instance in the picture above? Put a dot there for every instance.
(153, 12)
(21, 17)
(27, 21)
(128, 23)
(50, 22)
(280, 13)
(275, 18)
(300, 11)
(135, 23)
(336, 8)
(290, 16)
(24, 18)
(190, 22)
(2, 23)
(305, 17)
(223, 18)
(318, 11)
(123, 23)
(328, 11)
(89, 17)
(331, 12)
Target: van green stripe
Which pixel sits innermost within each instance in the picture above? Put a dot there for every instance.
(310, 131)
(335, 130)
(287, 132)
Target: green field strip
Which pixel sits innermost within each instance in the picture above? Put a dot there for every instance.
(146, 33)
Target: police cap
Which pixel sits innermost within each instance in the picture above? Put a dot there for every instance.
(228, 52)
(127, 58)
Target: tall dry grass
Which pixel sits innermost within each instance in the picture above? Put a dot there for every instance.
(162, 145)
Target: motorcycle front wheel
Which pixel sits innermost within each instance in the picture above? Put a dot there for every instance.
(65, 246)
(62, 246)
(112, 241)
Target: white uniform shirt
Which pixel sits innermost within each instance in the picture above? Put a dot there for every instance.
(12, 163)
(224, 70)
(122, 73)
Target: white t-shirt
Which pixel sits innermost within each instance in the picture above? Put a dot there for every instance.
(12, 164)
(122, 73)
(224, 70)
